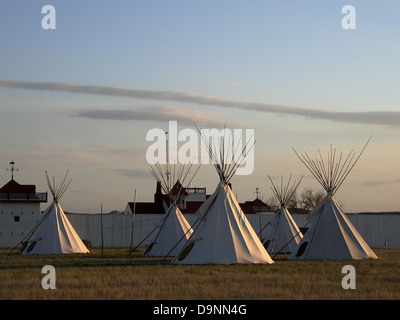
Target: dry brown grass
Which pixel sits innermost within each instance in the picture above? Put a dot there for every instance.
(116, 276)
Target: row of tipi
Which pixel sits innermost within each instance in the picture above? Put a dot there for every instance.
(222, 234)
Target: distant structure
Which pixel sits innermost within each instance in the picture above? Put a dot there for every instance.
(190, 201)
(19, 209)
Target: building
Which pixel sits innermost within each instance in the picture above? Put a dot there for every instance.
(257, 206)
(191, 199)
(19, 210)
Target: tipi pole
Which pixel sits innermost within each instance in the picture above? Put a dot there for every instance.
(133, 222)
(264, 227)
(29, 235)
(191, 228)
(101, 228)
(160, 228)
(280, 250)
(276, 231)
(142, 240)
(312, 237)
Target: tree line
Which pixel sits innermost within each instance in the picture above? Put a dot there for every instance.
(301, 203)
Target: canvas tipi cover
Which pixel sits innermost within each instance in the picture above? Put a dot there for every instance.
(223, 235)
(331, 236)
(283, 233)
(173, 233)
(173, 229)
(55, 234)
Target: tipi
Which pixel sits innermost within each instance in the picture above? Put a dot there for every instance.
(223, 234)
(331, 235)
(173, 229)
(283, 233)
(54, 234)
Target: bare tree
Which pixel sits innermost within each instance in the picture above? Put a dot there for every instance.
(272, 201)
(303, 203)
(309, 198)
(294, 202)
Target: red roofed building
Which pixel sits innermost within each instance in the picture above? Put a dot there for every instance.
(259, 206)
(19, 210)
(191, 200)
(13, 192)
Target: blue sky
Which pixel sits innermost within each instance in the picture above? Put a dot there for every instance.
(317, 84)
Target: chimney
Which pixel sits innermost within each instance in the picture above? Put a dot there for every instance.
(158, 195)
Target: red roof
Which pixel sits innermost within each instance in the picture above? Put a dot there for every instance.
(13, 186)
(178, 190)
(147, 208)
(257, 203)
(247, 208)
(14, 192)
(260, 206)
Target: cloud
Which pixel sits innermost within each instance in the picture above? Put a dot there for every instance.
(386, 118)
(133, 173)
(154, 113)
(377, 183)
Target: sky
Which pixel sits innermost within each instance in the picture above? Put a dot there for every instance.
(83, 96)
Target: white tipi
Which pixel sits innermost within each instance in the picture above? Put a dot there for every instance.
(173, 229)
(283, 234)
(331, 235)
(223, 234)
(54, 234)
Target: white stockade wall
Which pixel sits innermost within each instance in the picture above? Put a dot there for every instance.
(117, 228)
(378, 230)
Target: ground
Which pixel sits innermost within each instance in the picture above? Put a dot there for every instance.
(113, 274)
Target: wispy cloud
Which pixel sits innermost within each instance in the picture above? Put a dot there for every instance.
(377, 183)
(386, 118)
(133, 173)
(154, 113)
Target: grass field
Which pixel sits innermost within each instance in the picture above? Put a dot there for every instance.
(116, 276)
